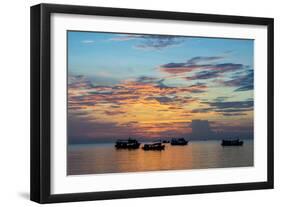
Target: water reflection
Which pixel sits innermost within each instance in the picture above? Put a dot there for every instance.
(104, 158)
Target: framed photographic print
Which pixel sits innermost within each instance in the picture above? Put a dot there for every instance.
(133, 103)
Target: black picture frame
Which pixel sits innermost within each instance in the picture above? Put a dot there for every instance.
(40, 184)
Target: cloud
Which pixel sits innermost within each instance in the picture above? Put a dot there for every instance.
(147, 79)
(232, 104)
(221, 98)
(125, 37)
(112, 113)
(234, 114)
(81, 130)
(230, 108)
(83, 94)
(79, 81)
(241, 82)
(180, 68)
(174, 65)
(159, 42)
(140, 107)
(228, 67)
(175, 101)
(204, 75)
(234, 110)
(161, 99)
(198, 88)
(245, 88)
(150, 42)
(111, 108)
(201, 129)
(200, 59)
(202, 110)
(87, 41)
(206, 69)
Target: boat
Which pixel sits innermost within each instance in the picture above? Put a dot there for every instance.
(234, 142)
(180, 141)
(154, 146)
(165, 141)
(127, 144)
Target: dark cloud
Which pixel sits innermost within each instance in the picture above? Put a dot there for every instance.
(242, 82)
(174, 65)
(162, 99)
(175, 107)
(232, 104)
(101, 92)
(233, 110)
(78, 102)
(89, 96)
(210, 70)
(200, 59)
(229, 66)
(194, 61)
(146, 79)
(169, 90)
(112, 113)
(230, 108)
(155, 42)
(115, 106)
(245, 88)
(202, 110)
(82, 130)
(201, 129)
(151, 80)
(79, 81)
(130, 124)
(161, 84)
(221, 98)
(180, 68)
(198, 88)
(226, 108)
(214, 71)
(178, 101)
(234, 114)
(204, 75)
(159, 41)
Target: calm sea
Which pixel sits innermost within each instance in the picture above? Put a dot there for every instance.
(104, 158)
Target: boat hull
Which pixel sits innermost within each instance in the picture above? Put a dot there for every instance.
(179, 142)
(147, 147)
(127, 144)
(232, 143)
(135, 146)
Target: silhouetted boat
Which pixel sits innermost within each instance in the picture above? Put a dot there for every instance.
(154, 146)
(235, 142)
(180, 141)
(165, 141)
(127, 144)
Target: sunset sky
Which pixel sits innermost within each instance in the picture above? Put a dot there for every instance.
(152, 86)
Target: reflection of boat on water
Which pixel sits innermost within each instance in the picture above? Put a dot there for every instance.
(127, 144)
(154, 146)
(235, 142)
(180, 141)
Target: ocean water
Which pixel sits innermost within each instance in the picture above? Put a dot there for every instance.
(104, 158)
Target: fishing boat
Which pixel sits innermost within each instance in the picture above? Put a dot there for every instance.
(154, 146)
(234, 142)
(127, 144)
(180, 141)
